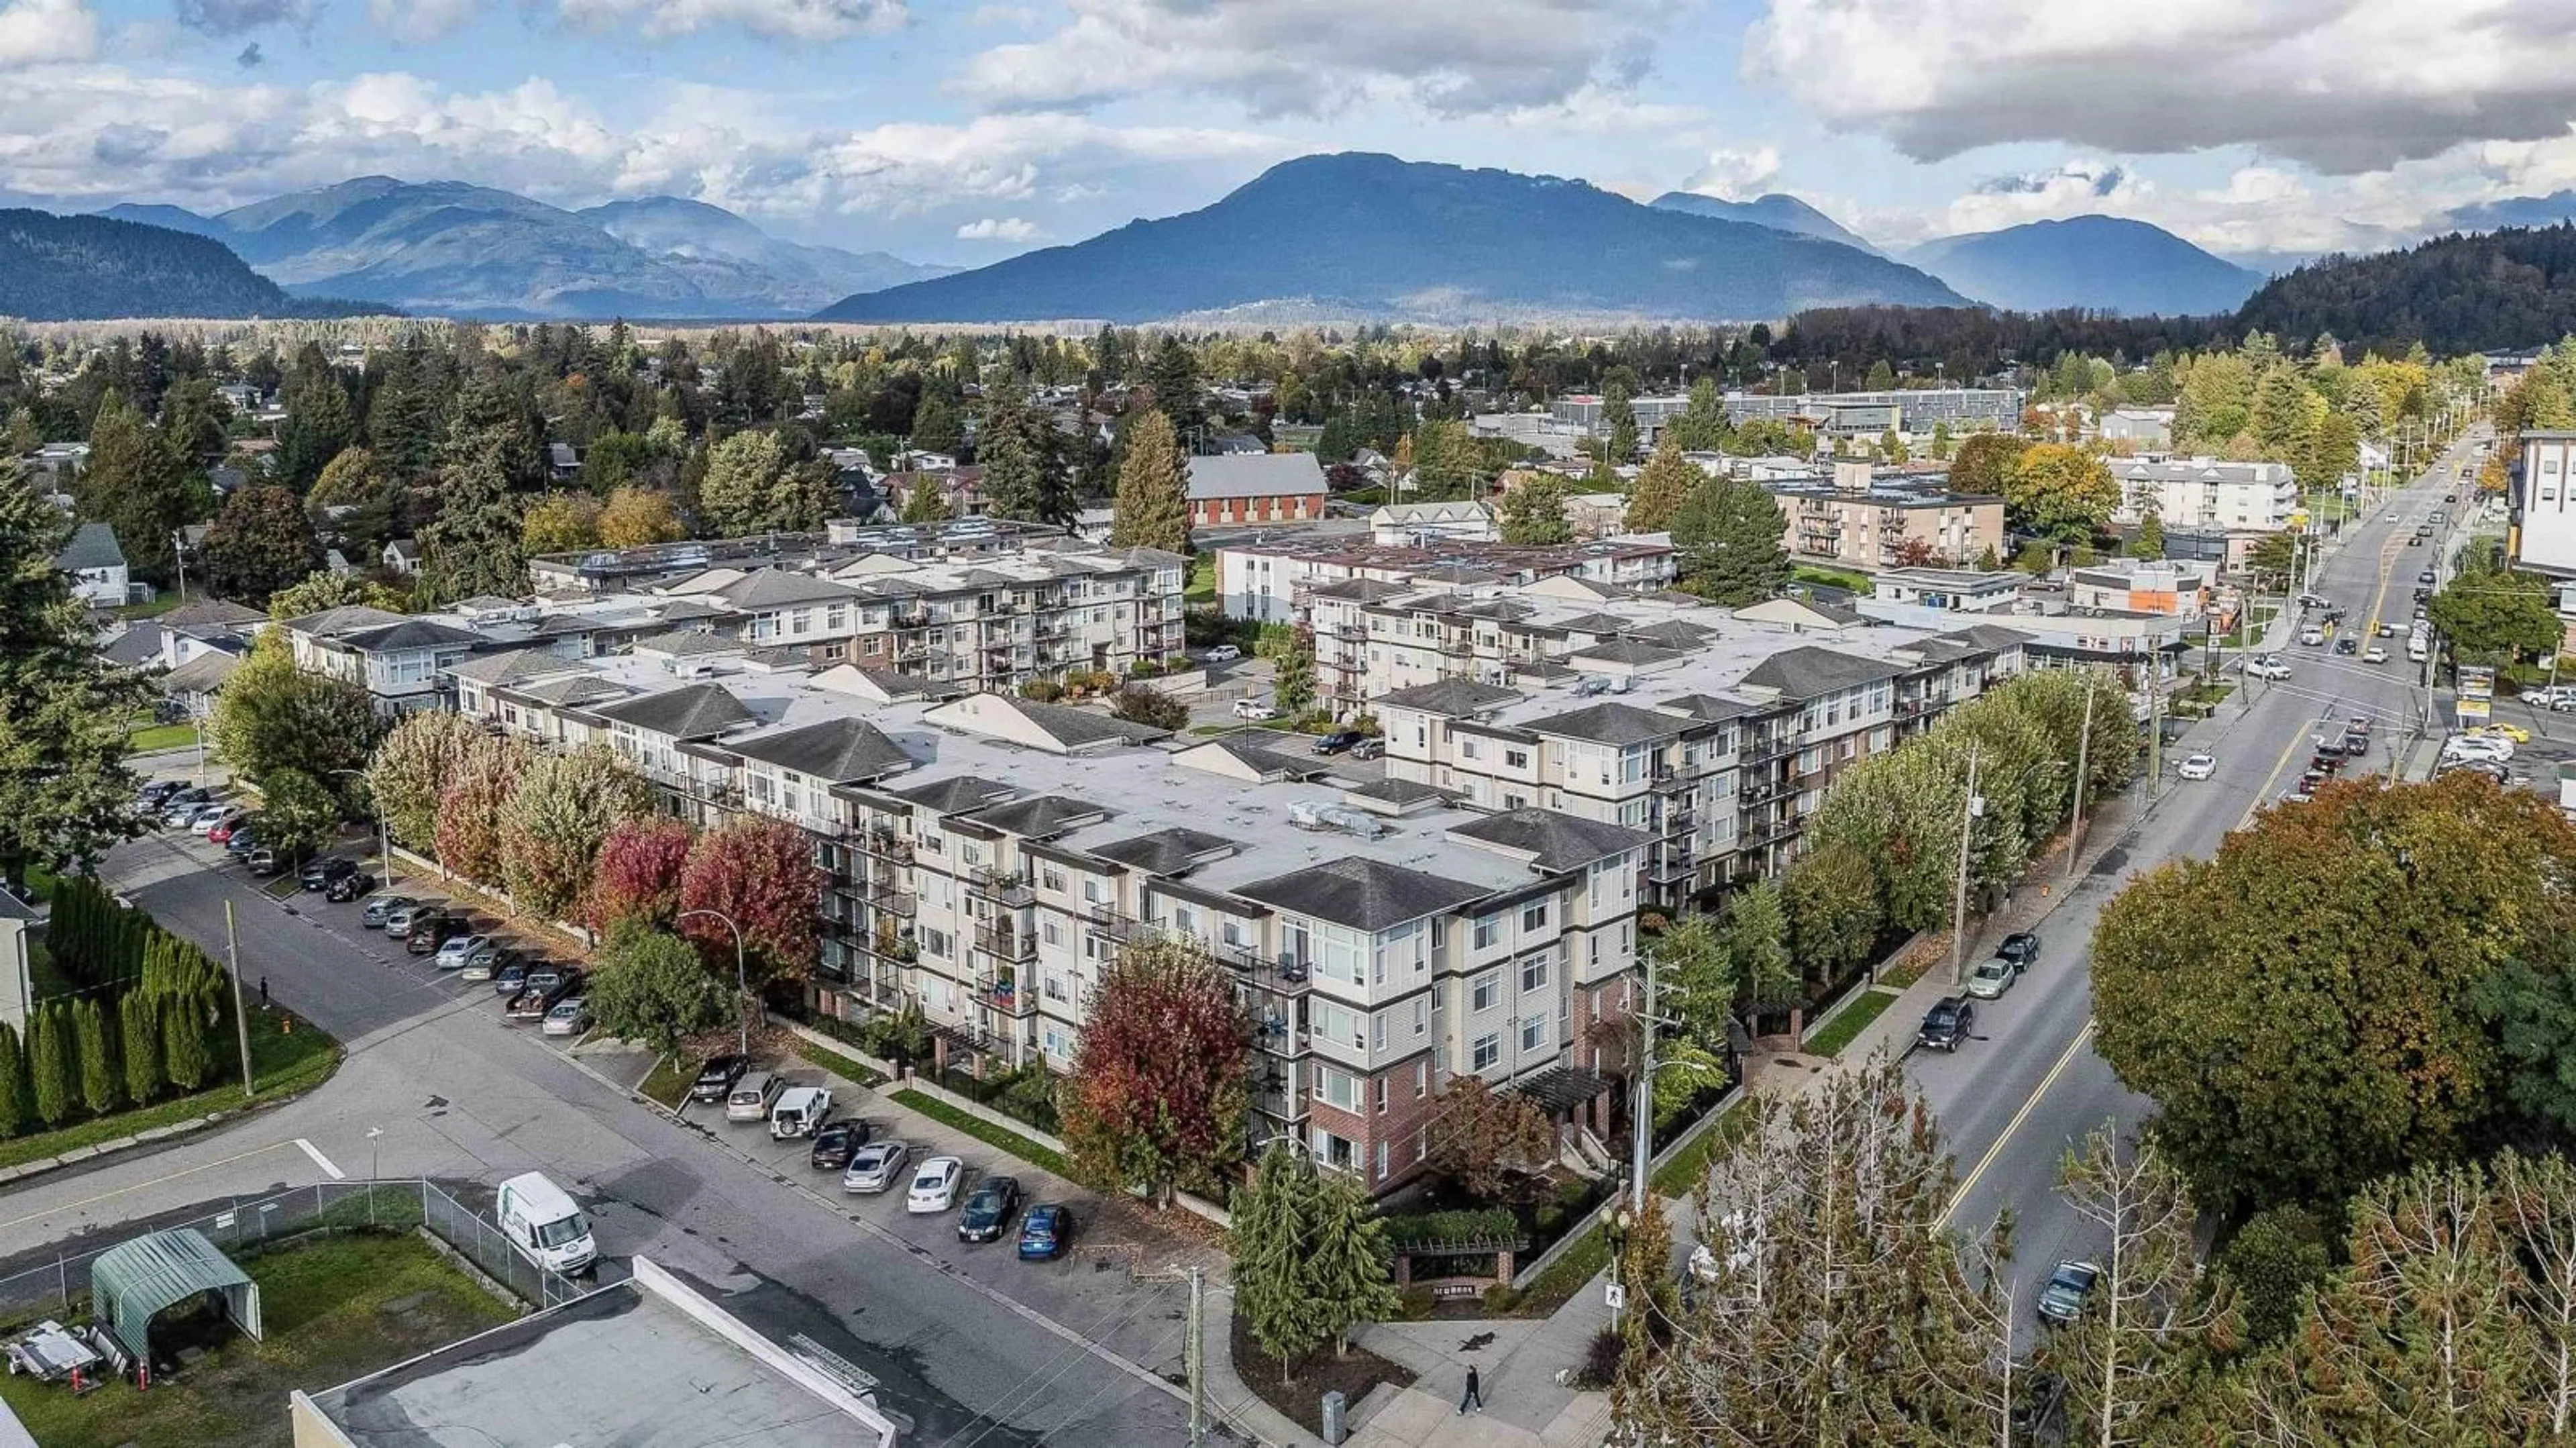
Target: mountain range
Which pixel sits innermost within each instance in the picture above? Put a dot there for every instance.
(57, 268)
(448, 248)
(2100, 263)
(1779, 211)
(1370, 237)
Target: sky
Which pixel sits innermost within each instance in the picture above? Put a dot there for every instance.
(961, 132)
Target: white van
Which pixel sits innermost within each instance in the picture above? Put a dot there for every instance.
(545, 1225)
(2415, 649)
(800, 1109)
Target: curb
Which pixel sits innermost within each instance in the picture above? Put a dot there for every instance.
(100, 1152)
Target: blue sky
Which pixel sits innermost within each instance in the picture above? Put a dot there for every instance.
(948, 130)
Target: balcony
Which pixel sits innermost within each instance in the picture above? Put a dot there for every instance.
(1011, 892)
(1464, 648)
(1350, 631)
(883, 843)
(1002, 942)
(1671, 866)
(1283, 975)
(890, 896)
(1007, 996)
(892, 949)
(1671, 781)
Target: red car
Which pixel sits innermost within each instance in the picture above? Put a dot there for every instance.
(223, 832)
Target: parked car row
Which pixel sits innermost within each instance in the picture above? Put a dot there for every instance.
(871, 1165)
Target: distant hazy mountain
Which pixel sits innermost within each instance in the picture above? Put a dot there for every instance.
(445, 247)
(62, 268)
(2547, 210)
(1375, 237)
(1778, 210)
(2102, 263)
(728, 256)
(2271, 263)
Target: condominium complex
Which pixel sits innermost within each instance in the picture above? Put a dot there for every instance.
(2205, 493)
(988, 856)
(944, 609)
(1267, 582)
(1863, 520)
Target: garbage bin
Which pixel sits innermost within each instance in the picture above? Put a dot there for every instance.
(1334, 1405)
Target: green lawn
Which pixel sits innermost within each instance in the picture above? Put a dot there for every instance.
(1202, 585)
(1681, 1174)
(985, 1132)
(668, 1082)
(1565, 1276)
(149, 738)
(154, 609)
(281, 1060)
(1830, 578)
(1855, 1018)
(334, 1308)
(838, 1064)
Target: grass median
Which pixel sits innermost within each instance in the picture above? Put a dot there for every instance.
(999, 1138)
(1842, 1029)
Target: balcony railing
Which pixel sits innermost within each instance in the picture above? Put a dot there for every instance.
(1110, 921)
(1280, 975)
(1003, 943)
(1672, 781)
(891, 897)
(1007, 996)
(1009, 891)
(885, 844)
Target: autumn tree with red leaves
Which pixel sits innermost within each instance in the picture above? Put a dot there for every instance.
(760, 872)
(479, 785)
(1161, 1083)
(638, 876)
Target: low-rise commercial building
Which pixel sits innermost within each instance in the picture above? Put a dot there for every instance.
(2179, 587)
(1251, 489)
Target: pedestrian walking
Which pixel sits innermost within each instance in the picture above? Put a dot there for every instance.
(263, 992)
(1474, 1396)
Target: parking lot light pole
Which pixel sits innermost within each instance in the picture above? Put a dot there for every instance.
(741, 986)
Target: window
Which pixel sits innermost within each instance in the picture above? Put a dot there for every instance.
(1421, 1079)
(1489, 928)
(1485, 991)
(1534, 1033)
(1050, 932)
(1516, 759)
(1421, 1015)
(1377, 1032)
(1487, 1050)
(1381, 1161)
(1534, 973)
(1337, 1088)
(1381, 1095)
(1051, 877)
(1534, 915)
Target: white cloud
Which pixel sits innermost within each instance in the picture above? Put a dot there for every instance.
(2344, 86)
(803, 20)
(1601, 110)
(1001, 228)
(420, 22)
(1323, 56)
(1736, 173)
(42, 32)
(232, 17)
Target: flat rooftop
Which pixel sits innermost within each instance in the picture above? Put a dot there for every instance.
(625, 1365)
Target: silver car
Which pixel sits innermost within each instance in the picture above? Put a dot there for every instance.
(875, 1167)
(1992, 978)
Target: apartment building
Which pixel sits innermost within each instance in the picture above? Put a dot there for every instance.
(987, 856)
(1861, 519)
(1718, 752)
(1374, 637)
(398, 658)
(1267, 581)
(1908, 410)
(2175, 586)
(2541, 498)
(2205, 493)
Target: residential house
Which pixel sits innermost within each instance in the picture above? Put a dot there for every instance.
(1424, 525)
(401, 557)
(97, 566)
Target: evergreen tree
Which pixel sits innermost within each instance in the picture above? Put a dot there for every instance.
(318, 422)
(259, 543)
(935, 425)
(1347, 1277)
(101, 1082)
(739, 495)
(1619, 422)
(186, 1056)
(1292, 679)
(1663, 485)
(2150, 542)
(1274, 1225)
(51, 1069)
(1881, 377)
(137, 485)
(1174, 376)
(403, 415)
(1012, 453)
(1534, 512)
(16, 1113)
(472, 546)
(1151, 507)
(139, 1032)
(1729, 533)
(925, 503)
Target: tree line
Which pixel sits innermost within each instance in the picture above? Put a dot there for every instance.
(151, 1013)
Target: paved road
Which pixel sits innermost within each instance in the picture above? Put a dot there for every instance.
(2017, 1099)
(461, 1097)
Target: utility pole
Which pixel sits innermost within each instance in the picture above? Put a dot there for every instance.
(179, 555)
(1198, 1357)
(1640, 1128)
(1967, 843)
(241, 1018)
(2083, 754)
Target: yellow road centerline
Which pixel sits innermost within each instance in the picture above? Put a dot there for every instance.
(1968, 1183)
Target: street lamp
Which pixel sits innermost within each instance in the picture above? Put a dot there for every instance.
(741, 988)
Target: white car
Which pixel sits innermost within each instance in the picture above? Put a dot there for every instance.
(934, 1186)
(2267, 667)
(2478, 746)
(873, 1168)
(1222, 654)
(2374, 655)
(2198, 766)
(569, 1017)
(2312, 637)
(1254, 709)
(451, 956)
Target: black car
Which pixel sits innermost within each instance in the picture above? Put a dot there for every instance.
(834, 1141)
(2347, 645)
(349, 886)
(717, 1076)
(1338, 741)
(241, 841)
(155, 794)
(2021, 948)
(989, 1211)
(428, 935)
(509, 976)
(322, 873)
(1947, 1024)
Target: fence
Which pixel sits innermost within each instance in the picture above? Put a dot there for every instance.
(59, 1286)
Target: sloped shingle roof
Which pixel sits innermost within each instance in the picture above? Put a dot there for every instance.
(1260, 475)
(693, 711)
(1804, 673)
(1361, 893)
(92, 545)
(1451, 698)
(833, 750)
(1554, 841)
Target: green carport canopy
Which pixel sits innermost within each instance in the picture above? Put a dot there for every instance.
(135, 1282)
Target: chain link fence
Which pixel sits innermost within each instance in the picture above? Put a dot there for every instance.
(60, 1286)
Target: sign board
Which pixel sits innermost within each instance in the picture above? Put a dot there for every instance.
(1614, 1296)
(2476, 702)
